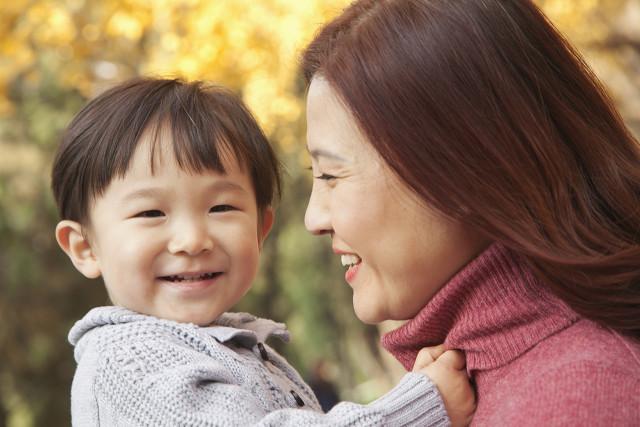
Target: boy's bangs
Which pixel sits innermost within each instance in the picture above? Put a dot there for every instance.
(196, 148)
(209, 128)
(200, 138)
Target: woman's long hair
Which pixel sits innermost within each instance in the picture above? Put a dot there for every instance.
(487, 113)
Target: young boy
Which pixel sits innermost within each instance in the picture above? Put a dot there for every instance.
(165, 190)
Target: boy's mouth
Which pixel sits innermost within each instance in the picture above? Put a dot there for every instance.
(177, 278)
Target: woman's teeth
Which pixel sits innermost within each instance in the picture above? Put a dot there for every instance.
(350, 260)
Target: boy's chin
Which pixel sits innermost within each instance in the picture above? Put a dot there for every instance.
(199, 320)
(182, 316)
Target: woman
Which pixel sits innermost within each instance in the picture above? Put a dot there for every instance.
(475, 179)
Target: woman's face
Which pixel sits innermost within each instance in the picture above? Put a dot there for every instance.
(397, 252)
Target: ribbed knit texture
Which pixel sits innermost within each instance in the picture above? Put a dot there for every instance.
(534, 361)
(137, 370)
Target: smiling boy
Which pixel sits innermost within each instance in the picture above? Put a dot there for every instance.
(165, 252)
(165, 191)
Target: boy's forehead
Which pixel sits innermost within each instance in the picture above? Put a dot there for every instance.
(168, 179)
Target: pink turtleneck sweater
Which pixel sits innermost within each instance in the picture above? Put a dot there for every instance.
(534, 361)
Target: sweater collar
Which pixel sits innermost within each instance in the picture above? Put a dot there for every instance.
(242, 329)
(494, 309)
(246, 329)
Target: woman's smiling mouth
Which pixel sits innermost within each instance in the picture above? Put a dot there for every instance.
(351, 261)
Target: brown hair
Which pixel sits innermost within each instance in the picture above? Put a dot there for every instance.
(491, 117)
(207, 123)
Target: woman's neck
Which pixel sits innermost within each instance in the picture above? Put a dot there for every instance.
(494, 310)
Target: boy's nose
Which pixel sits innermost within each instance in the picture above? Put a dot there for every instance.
(317, 217)
(190, 239)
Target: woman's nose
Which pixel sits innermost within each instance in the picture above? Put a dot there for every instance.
(317, 217)
(190, 237)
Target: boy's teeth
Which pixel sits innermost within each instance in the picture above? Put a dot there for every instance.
(190, 278)
(349, 260)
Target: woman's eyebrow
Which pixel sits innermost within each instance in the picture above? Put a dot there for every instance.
(319, 152)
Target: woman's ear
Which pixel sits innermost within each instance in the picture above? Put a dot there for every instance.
(265, 224)
(75, 244)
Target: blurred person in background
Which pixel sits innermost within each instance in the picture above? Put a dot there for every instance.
(323, 387)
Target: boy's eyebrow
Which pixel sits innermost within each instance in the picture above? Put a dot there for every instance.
(153, 192)
(319, 152)
(143, 193)
(226, 185)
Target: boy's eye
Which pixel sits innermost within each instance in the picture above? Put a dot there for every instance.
(222, 208)
(154, 213)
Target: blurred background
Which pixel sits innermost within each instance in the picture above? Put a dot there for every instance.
(56, 54)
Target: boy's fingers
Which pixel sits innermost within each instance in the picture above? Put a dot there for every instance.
(423, 359)
(435, 351)
(453, 358)
(427, 356)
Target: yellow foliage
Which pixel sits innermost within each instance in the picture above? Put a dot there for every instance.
(90, 32)
(125, 25)
(251, 46)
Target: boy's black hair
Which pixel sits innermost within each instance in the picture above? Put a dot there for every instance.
(208, 123)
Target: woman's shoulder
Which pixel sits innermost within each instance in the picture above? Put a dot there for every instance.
(587, 343)
(582, 351)
(584, 374)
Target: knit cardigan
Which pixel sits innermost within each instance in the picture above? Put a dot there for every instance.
(534, 360)
(137, 370)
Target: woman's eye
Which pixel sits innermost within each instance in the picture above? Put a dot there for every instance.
(325, 177)
(154, 213)
(222, 208)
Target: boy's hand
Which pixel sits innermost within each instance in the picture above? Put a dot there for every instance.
(447, 371)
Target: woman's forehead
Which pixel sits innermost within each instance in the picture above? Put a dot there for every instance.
(332, 131)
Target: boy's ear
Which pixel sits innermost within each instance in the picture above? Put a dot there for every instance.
(265, 224)
(75, 244)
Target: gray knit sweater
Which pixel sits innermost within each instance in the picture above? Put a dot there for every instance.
(137, 370)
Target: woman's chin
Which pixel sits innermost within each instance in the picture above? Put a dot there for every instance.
(368, 313)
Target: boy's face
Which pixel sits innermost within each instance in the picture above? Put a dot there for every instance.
(173, 244)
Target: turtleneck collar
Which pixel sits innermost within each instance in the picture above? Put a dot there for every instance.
(494, 309)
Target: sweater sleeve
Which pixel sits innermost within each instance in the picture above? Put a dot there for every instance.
(184, 387)
(414, 401)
